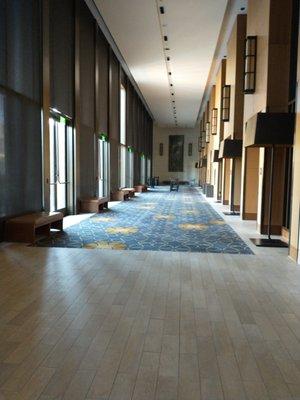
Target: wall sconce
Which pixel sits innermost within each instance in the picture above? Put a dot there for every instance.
(161, 149)
(203, 137)
(214, 121)
(225, 103)
(190, 149)
(207, 132)
(250, 64)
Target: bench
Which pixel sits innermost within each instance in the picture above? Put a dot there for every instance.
(27, 227)
(93, 204)
(119, 195)
(129, 191)
(140, 188)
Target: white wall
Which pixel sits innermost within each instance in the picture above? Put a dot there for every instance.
(161, 163)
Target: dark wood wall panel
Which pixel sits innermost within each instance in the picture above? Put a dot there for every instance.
(123, 78)
(102, 68)
(62, 26)
(135, 120)
(114, 97)
(86, 99)
(87, 66)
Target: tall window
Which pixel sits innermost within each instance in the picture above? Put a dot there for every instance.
(123, 116)
(148, 169)
(123, 149)
(130, 163)
(122, 155)
(103, 167)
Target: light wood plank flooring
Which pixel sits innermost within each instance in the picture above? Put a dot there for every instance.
(88, 324)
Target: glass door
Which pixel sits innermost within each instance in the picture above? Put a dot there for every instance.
(122, 158)
(143, 170)
(103, 170)
(61, 164)
(148, 170)
(129, 168)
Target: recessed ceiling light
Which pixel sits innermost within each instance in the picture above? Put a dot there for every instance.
(170, 73)
(171, 84)
(162, 10)
(165, 38)
(167, 48)
(168, 58)
(242, 8)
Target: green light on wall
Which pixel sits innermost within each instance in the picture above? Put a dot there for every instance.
(142, 155)
(62, 120)
(103, 136)
(130, 149)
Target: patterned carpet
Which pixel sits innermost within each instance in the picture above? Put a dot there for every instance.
(156, 220)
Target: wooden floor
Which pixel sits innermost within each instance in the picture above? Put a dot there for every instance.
(89, 324)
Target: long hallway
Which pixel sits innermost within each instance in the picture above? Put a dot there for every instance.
(149, 200)
(105, 324)
(158, 220)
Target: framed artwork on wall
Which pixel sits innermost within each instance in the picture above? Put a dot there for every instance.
(176, 148)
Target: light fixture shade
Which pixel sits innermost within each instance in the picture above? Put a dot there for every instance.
(203, 139)
(216, 156)
(214, 121)
(203, 162)
(207, 132)
(225, 103)
(231, 148)
(250, 64)
(270, 129)
(203, 134)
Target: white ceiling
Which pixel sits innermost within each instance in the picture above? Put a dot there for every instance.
(192, 27)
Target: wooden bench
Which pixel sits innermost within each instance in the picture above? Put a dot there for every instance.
(140, 188)
(129, 191)
(93, 204)
(119, 195)
(27, 227)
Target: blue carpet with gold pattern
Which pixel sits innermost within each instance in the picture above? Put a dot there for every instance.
(156, 220)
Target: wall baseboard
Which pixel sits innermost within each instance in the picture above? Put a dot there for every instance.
(250, 216)
(293, 253)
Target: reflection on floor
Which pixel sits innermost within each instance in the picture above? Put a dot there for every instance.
(77, 324)
(157, 220)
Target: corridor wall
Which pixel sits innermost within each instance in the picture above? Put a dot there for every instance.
(53, 55)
